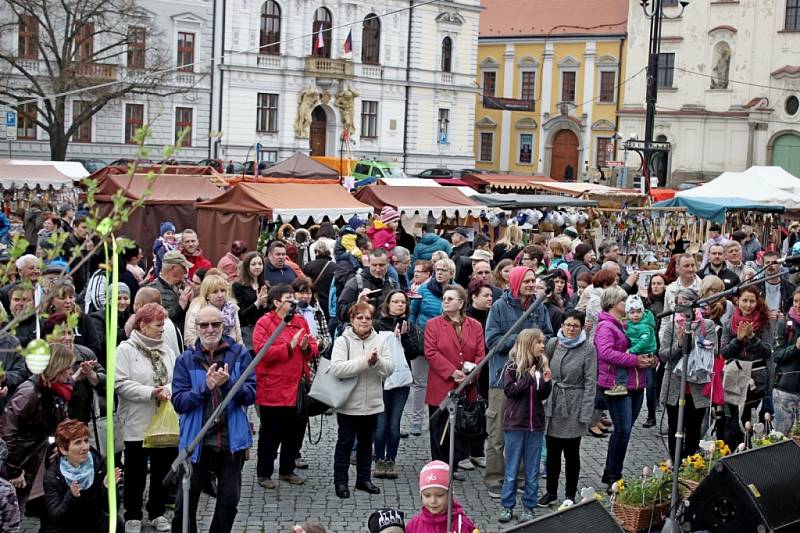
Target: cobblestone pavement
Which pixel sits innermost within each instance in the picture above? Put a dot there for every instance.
(268, 511)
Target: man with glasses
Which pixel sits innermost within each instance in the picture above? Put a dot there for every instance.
(401, 260)
(203, 376)
(482, 271)
(716, 266)
(777, 291)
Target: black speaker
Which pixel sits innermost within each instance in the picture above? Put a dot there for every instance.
(589, 516)
(754, 491)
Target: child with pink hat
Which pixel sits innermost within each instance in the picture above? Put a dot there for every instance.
(434, 482)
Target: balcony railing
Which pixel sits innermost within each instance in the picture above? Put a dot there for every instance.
(329, 68)
(269, 61)
(96, 71)
(372, 71)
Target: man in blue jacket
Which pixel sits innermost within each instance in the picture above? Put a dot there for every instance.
(203, 376)
(502, 316)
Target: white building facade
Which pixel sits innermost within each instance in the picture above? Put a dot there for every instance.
(405, 86)
(729, 83)
(183, 31)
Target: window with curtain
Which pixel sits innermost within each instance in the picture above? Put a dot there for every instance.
(270, 36)
(185, 51)
(371, 40)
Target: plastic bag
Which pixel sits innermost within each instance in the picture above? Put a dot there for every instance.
(700, 366)
(164, 429)
(401, 377)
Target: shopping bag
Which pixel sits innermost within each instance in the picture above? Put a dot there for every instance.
(164, 429)
(401, 377)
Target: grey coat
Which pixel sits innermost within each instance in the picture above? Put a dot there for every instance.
(670, 355)
(571, 404)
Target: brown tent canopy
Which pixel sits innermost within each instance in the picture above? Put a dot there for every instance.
(235, 215)
(172, 199)
(300, 166)
(410, 200)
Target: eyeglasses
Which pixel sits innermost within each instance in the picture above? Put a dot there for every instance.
(770, 263)
(570, 325)
(450, 299)
(207, 325)
(443, 270)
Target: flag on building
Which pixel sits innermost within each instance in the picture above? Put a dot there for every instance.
(320, 40)
(348, 43)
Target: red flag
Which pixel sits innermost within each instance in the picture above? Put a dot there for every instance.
(320, 40)
(348, 43)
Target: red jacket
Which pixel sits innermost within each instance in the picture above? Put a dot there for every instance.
(199, 261)
(446, 353)
(279, 372)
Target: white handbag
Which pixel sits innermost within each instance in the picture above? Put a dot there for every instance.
(327, 388)
(401, 377)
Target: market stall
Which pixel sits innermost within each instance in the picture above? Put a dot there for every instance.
(241, 212)
(604, 195)
(171, 198)
(300, 166)
(51, 181)
(408, 182)
(716, 209)
(521, 201)
(487, 183)
(746, 187)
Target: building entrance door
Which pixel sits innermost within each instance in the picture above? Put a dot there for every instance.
(319, 128)
(564, 158)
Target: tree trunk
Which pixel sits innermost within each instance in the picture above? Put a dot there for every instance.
(58, 144)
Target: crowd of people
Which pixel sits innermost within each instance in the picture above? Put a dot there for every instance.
(577, 345)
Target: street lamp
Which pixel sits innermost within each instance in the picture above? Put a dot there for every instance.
(655, 12)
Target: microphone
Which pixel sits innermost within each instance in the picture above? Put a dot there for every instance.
(790, 259)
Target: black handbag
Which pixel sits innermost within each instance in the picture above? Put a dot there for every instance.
(306, 405)
(471, 419)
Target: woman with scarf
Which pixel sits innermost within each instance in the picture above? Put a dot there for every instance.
(214, 290)
(278, 375)
(426, 305)
(786, 394)
(670, 353)
(746, 338)
(454, 344)
(31, 416)
(308, 306)
(144, 378)
(573, 362)
(75, 484)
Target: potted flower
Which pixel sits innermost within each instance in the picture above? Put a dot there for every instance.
(696, 467)
(772, 437)
(642, 504)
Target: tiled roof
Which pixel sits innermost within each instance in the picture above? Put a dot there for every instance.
(540, 18)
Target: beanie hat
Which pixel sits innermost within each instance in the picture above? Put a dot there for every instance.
(515, 279)
(354, 223)
(389, 214)
(634, 303)
(165, 227)
(123, 289)
(571, 232)
(383, 519)
(435, 474)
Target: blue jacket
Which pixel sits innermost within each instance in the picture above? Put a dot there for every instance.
(503, 314)
(428, 245)
(425, 308)
(189, 394)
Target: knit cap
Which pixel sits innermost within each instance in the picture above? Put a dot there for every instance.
(384, 519)
(435, 474)
(123, 289)
(354, 223)
(165, 227)
(634, 303)
(389, 214)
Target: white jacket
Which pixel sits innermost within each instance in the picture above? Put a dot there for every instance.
(367, 396)
(134, 385)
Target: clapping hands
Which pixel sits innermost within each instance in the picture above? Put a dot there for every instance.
(216, 377)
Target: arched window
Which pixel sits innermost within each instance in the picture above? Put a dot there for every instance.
(270, 37)
(321, 34)
(447, 54)
(371, 40)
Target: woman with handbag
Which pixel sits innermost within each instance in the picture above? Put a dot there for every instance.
(250, 292)
(144, 377)
(786, 394)
(696, 403)
(747, 348)
(278, 383)
(394, 321)
(362, 356)
(454, 344)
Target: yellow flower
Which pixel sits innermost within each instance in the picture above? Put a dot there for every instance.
(725, 451)
(621, 485)
(719, 443)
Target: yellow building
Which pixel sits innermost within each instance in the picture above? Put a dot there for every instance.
(550, 76)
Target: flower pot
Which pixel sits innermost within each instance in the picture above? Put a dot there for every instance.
(635, 519)
(689, 487)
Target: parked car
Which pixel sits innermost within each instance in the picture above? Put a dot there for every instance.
(216, 164)
(127, 161)
(91, 165)
(466, 171)
(437, 173)
(177, 163)
(370, 168)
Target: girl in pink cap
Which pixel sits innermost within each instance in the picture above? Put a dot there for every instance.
(434, 482)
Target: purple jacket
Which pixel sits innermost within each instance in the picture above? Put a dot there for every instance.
(612, 345)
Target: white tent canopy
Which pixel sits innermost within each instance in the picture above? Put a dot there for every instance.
(19, 174)
(776, 177)
(743, 185)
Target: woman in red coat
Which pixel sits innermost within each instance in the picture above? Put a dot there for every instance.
(453, 346)
(277, 377)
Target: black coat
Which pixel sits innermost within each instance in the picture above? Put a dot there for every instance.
(349, 295)
(728, 277)
(787, 357)
(15, 372)
(68, 514)
(249, 312)
(322, 277)
(80, 405)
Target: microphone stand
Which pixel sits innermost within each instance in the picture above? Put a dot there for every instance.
(449, 404)
(686, 348)
(182, 466)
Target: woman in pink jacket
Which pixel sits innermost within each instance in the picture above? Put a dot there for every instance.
(612, 351)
